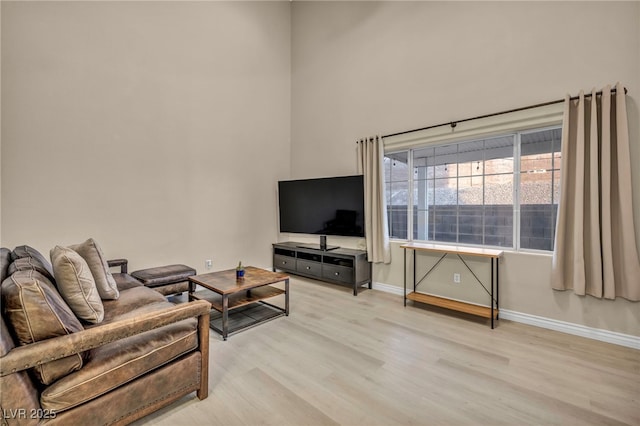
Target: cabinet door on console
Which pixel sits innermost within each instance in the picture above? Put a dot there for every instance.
(338, 269)
(284, 262)
(337, 273)
(309, 264)
(284, 259)
(309, 268)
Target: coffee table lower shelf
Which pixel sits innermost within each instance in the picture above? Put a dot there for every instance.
(246, 317)
(246, 309)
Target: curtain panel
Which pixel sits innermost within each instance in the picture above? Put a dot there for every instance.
(595, 249)
(370, 164)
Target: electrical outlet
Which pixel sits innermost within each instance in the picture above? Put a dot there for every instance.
(208, 263)
(456, 278)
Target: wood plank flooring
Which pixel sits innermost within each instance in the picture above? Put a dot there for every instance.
(366, 360)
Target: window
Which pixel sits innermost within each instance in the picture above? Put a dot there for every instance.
(498, 191)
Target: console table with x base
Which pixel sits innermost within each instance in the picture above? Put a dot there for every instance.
(491, 312)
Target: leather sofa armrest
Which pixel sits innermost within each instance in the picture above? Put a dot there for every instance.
(122, 263)
(25, 357)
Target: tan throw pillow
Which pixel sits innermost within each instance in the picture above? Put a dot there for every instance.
(36, 312)
(76, 284)
(93, 255)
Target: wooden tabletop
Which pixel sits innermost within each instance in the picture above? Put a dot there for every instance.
(441, 248)
(225, 282)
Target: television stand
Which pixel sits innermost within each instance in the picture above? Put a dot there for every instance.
(335, 265)
(316, 247)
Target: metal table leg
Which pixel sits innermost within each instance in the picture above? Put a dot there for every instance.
(405, 277)
(225, 316)
(286, 297)
(498, 287)
(492, 284)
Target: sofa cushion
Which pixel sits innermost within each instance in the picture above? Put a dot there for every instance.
(76, 284)
(93, 255)
(5, 260)
(37, 259)
(117, 363)
(131, 302)
(37, 312)
(125, 281)
(29, 264)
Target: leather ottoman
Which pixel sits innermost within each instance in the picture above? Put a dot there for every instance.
(167, 280)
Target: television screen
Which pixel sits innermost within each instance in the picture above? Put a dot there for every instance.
(326, 206)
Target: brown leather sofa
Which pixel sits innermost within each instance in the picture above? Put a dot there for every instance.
(145, 354)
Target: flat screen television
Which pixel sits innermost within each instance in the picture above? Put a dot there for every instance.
(324, 206)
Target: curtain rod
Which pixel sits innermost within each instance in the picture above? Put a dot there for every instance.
(453, 124)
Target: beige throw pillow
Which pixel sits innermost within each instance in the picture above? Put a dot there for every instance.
(93, 255)
(76, 284)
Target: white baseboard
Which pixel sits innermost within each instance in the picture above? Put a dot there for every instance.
(393, 289)
(621, 339)
(575, 329)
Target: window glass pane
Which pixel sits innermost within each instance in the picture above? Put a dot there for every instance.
(499, 147)
(498, 155)
(387, 193)
(537, 226)
(422, 171)
(539, 188)
(397, 209)
(386, 166)
(423, 153)
(556, 187)
(396, 170)
(498, 225)
(470, 223)
(540, 142)
(557, 158)
(424, 199)
(446, 161)
(471, 158)
(536, 163)
(498, 189)
(473, 168)
(445, 223)
(397, 218)
(444, 171)
(535, 187)
(446, 191)
(470, 191)
(399, 193)
(422, 192)
(423, 163)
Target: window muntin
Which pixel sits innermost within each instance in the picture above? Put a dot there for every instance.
(500, 191)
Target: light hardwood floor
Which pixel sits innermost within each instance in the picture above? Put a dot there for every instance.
(366, 360)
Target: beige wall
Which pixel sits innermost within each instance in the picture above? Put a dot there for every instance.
(363, 68)
(161, 128)
(158, 128)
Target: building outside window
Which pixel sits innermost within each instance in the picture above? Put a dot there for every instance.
(497, 191)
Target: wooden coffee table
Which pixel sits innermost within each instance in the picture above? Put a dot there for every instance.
(225, 292)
